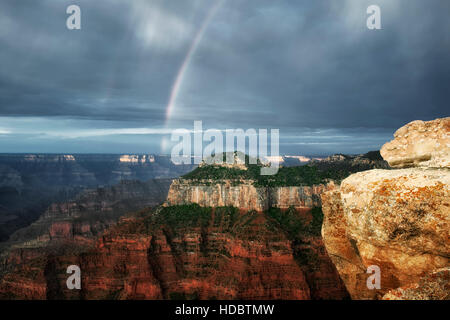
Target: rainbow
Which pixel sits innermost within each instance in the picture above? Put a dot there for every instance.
(187, 60)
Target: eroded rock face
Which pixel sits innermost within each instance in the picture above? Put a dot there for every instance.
(211, 194)
(243, 255)
(90, 213)
(212, 266)
(297, 197)
(420, 143)
(341, 249)
(407, 209)
(395, 219)
(244, 195)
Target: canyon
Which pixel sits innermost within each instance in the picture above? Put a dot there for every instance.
(183, 252)
(29, 183)
(220, 234)
(88, 214)
(215, 248)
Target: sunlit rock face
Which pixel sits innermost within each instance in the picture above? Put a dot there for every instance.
(398, 220)
(297, 197)
(134, 158)
(420, 144)
(205, 264)
(244, 195)
(407, 209)
(211, 254)
(341, 249)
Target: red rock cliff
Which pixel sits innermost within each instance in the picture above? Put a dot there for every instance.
(199, 253)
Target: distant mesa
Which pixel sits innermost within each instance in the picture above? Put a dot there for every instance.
(137, 158)
(48, 158)
(240, 184)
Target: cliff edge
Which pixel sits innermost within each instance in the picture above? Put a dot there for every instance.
(397, 220)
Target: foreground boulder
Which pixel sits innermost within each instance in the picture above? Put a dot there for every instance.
(420, 144)
(398, 220)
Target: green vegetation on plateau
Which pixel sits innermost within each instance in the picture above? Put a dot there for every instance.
(287, 176)
(311, 174)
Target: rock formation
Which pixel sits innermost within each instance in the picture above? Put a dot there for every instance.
(29, 183)
(183, 252)
(214, 238)
(90, 213)
(213, 194)
(420, 144)
(398, 220)
(244, 195)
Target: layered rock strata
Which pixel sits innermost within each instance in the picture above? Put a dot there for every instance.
(244, 195)
(205, 253)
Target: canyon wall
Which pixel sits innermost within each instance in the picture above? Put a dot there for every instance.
(215, 246)
(297, 197)
(213, 194)
(195, 253)
(398, 220)
(90, 213)
(244, 195)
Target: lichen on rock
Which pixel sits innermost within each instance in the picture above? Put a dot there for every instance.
(398, 220)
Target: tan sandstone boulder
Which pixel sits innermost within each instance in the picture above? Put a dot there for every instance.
(342, 249)
(398, 220)
(420, 143)
(406, 209)
(395, 219)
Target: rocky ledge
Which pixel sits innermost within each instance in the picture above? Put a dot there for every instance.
(420, 143)
(397, 220)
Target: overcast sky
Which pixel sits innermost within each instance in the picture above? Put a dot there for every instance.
(311, 69)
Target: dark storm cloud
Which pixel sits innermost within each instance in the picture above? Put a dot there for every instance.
(44, 64)
(327, 71)
(309, 68)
